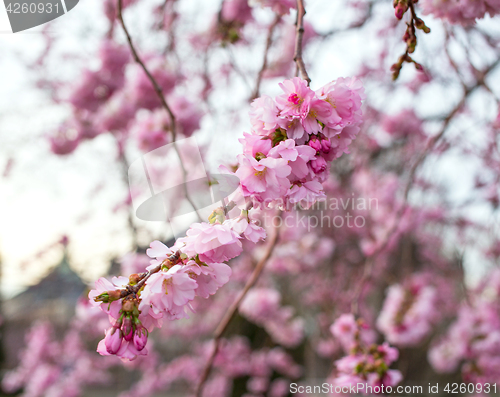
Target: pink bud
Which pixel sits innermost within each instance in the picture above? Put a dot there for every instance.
(400, 10)
(128, 331)
(326, 146)
(315, 144)
(140, 338)
(113, 340)
(318, 165)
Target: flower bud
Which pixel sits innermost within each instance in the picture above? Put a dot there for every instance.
(400, 10)
(109, 296)
(315, 144)
(140, 337)
(419, 24)
(326, 146)
(113, 340)
(128, 329)
(318, 165)
(133, 279)
(411, 43)
(128, 306)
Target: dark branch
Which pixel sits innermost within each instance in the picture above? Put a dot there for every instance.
(159, 92)
(301, 67)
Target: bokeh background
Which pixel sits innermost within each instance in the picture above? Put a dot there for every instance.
(67, 219)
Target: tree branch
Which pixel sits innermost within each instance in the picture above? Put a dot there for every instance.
(269, 42)
(159, 92)
(298, 42)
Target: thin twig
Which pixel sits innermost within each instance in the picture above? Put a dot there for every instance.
(124, 166)
(355, 25)
(231, 311)
(159, 92)
(269, 42)
(237, 69)
(297, 57)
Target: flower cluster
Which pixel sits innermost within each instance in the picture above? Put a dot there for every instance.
(365, 363)
(408, 313)
(119, 97)
(285, 157)
(173, 281)
(294, 137)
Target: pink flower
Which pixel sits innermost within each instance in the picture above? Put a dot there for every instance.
(344, 328)
(141, 89)
(264, 115)
(127, 351)
(250, 230)
(236, 10)
(390, 354)
(344, 95)
(167, 292)
(159, 251)
(140, 338)
(65, 141)
(340, 142)
(285, 149)
(211, 242)
(408, 314)
(294, 129)
(102, 287)
(151, 129)
(319, 165)
(208, 277)
(314, 143)
(253, 144)
(319, 111)
(308, 193)
(299, 166)
(365, 365)
(113, 340)
(390, 378)
(187, 115)
(266, 177)
(296, 100)
(404, 124)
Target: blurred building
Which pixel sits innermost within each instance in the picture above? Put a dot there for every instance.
(53, 299)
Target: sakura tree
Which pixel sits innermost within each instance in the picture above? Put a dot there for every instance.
(356, 242)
